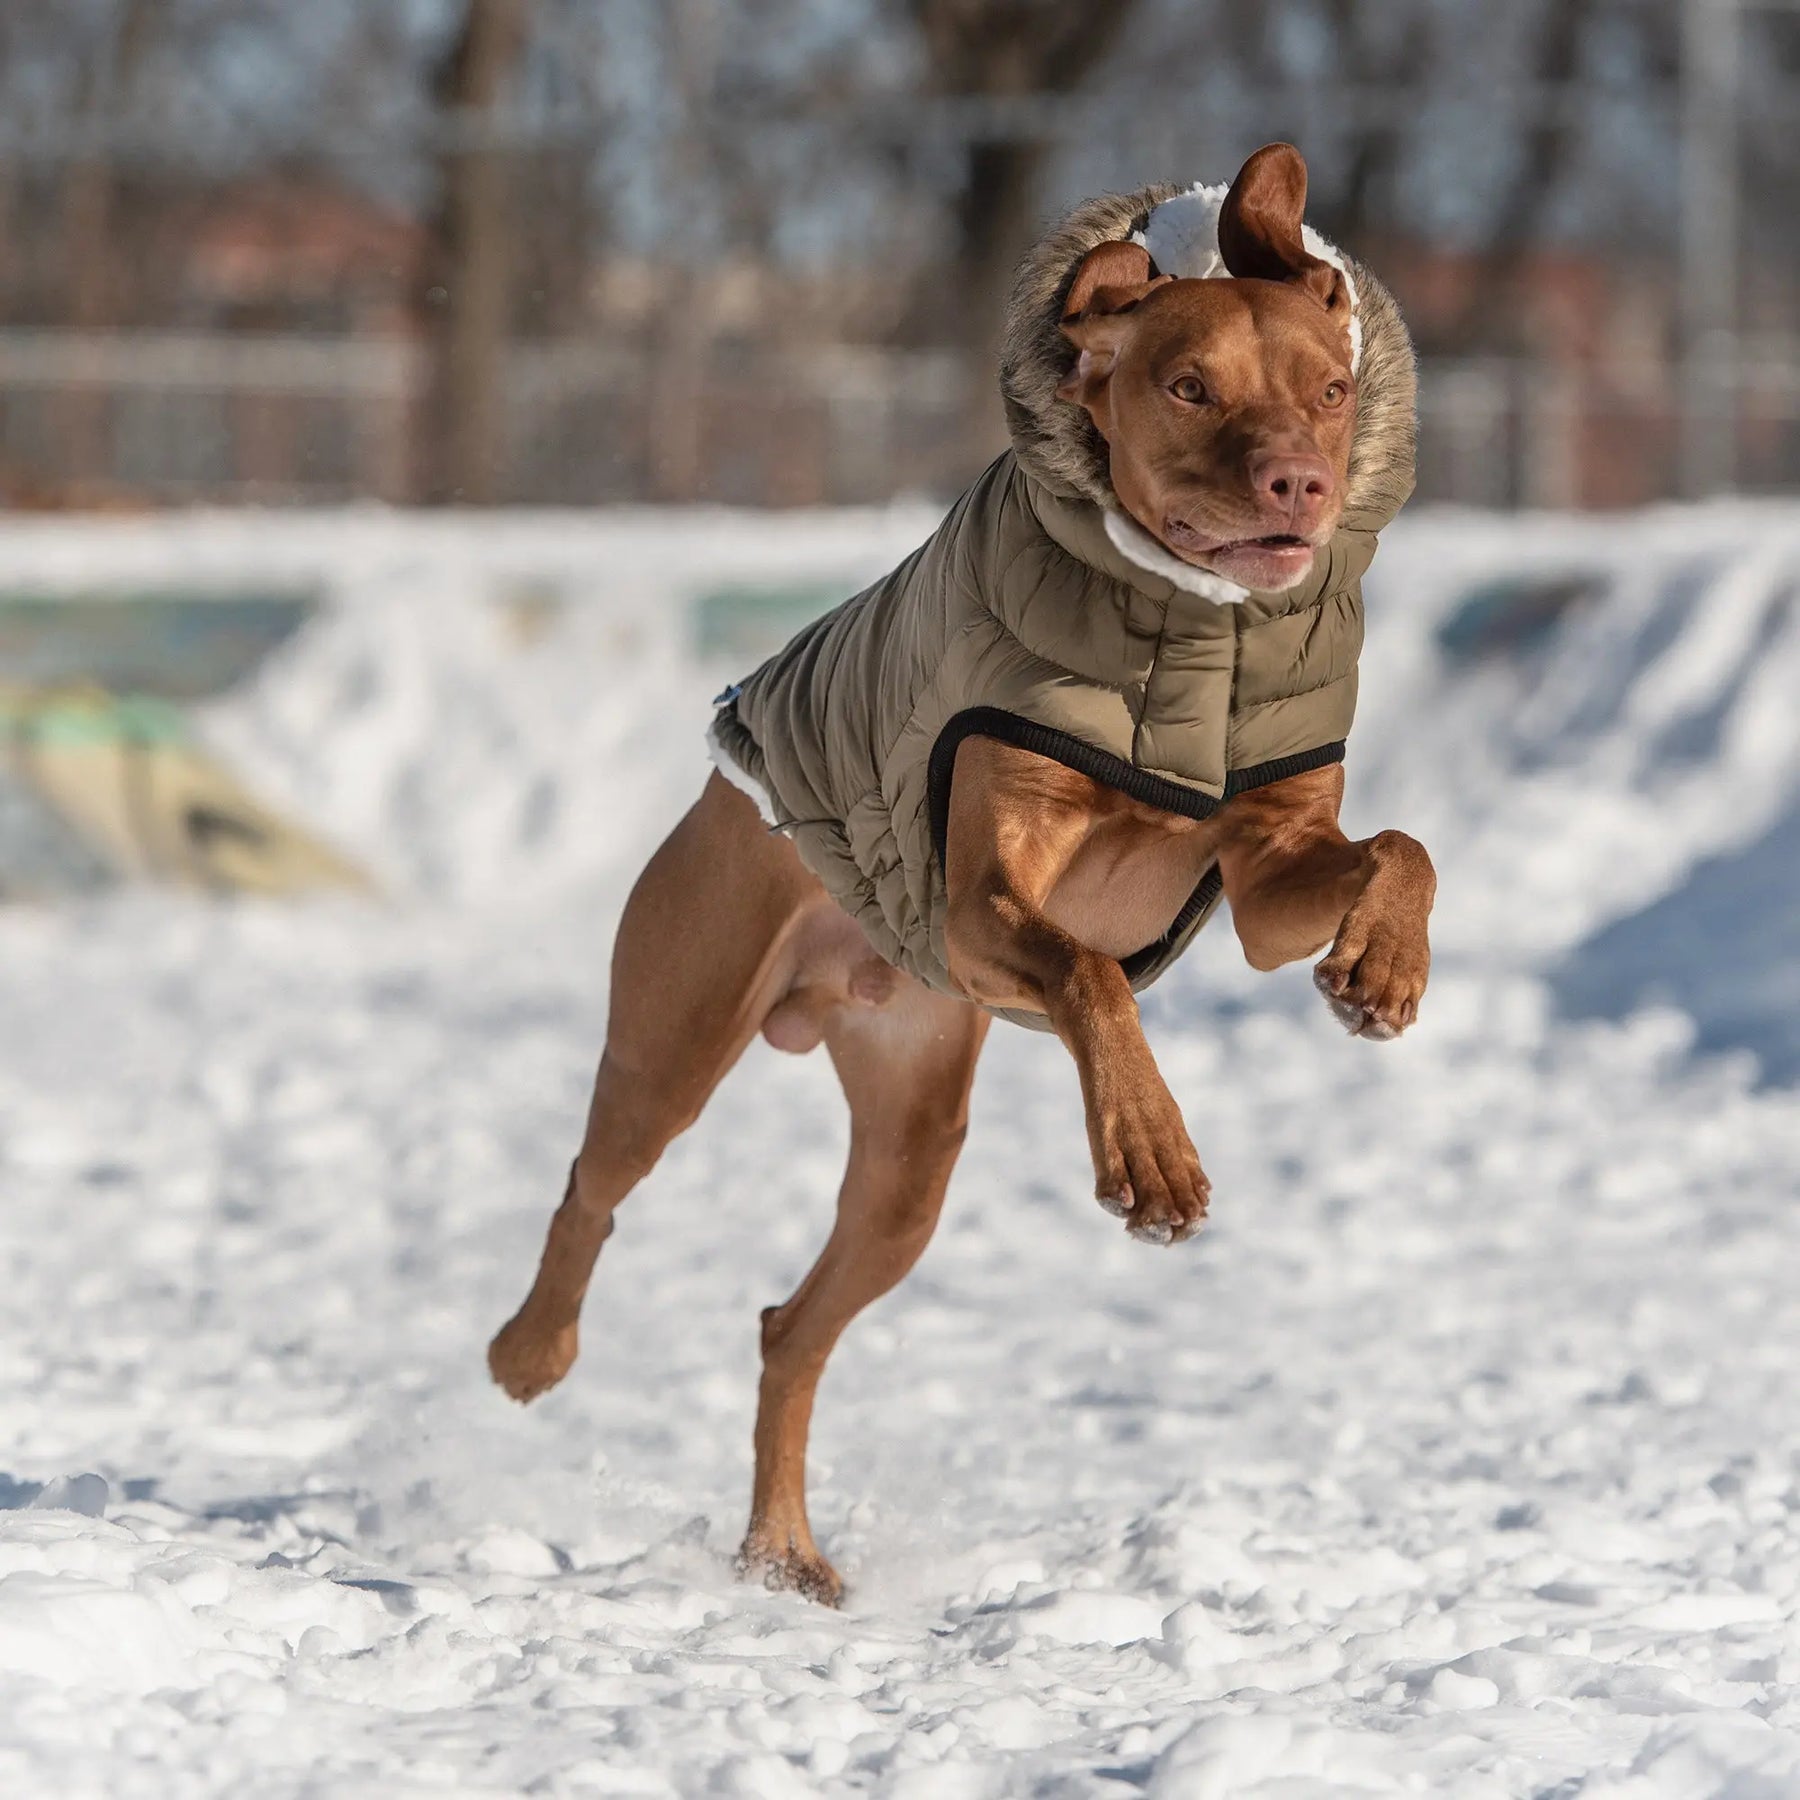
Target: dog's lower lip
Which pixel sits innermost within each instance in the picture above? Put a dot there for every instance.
(1276, 559)
(1179, 531)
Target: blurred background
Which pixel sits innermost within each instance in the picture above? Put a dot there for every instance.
(567, 251)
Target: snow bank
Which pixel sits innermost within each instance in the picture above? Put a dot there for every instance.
(1577, 765)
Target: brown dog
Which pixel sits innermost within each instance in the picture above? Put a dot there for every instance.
(1228, 412)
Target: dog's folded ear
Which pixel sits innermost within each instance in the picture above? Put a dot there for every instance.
(1110, 282)
(1259, 228)
(1111, 278)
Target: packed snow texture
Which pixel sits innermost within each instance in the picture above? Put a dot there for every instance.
(1460, 1456)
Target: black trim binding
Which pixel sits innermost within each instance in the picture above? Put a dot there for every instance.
(1101, 765)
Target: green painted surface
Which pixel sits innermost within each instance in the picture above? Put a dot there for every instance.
(748, 620)
(89, 716)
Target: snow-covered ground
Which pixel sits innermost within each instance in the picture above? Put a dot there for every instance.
(1459, 1457)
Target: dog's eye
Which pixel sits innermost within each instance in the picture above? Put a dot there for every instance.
(1189, 388)
(1335, 395)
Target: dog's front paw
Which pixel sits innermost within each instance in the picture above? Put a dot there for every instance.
(1148, 1172)
(1375, 974)
(527, 1359)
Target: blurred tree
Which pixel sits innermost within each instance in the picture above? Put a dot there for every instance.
(467, 299)
(1547, 140)
(1392, 46)
(997, 50)
(681, 349)
(104, 81)
(558, 198)
(88, 202)
(1000, 49)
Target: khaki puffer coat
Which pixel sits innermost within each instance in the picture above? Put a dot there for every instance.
(1041, 614)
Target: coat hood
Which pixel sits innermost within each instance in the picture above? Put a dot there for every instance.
(1055, 440)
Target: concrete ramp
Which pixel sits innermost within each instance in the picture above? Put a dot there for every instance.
(101, 778)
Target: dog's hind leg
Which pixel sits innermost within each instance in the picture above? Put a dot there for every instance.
(704, 952)
(906, 1071)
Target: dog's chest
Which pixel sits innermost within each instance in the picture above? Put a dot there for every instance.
(1135, 870)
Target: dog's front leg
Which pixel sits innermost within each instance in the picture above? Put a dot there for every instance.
(1016, 822)
(1296, 883)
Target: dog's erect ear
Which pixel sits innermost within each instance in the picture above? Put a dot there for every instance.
(1112, 280)
(1259, 228)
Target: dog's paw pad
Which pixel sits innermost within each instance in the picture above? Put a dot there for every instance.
(1353, 1013)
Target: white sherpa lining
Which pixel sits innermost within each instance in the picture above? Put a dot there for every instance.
(1136, 545)
(739, 778)
(1182, 236)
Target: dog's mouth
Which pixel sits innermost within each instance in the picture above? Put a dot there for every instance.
(1274, 561)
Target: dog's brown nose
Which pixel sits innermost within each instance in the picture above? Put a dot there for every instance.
(1292, 484)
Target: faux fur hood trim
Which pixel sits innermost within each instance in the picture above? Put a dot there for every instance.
(1055, 440)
